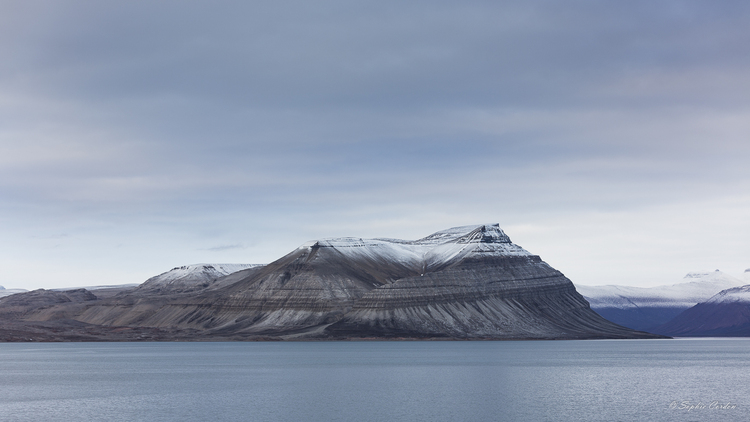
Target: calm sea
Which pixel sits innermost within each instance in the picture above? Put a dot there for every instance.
(608, 380)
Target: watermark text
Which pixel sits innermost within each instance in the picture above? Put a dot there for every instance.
(690, 405)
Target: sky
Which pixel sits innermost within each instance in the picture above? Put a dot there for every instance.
(610, 138)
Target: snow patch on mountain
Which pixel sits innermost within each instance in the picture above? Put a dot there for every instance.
(697, 287)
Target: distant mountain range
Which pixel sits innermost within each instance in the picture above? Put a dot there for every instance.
(468, 282)
(726, 314)
(643, 308)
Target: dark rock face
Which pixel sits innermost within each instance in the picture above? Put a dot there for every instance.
(640, 318)
(463, 283)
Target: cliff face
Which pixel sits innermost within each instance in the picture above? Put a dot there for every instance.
(466, 282)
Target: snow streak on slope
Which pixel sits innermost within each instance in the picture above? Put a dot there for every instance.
(697, 287)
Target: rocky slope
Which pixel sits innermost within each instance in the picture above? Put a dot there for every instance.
(727, 314)
(462, 283)
(645, 308)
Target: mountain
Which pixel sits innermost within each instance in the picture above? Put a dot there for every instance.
(468, 282)
(726, 314)
(645, 308)
(191, 277)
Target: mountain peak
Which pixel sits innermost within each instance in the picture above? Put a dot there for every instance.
(483, 233)
(704, 274)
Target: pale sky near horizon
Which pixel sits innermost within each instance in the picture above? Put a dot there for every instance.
(610, 138)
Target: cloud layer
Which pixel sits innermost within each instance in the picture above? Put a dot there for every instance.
(610, 138)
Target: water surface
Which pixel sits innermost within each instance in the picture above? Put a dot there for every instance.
(378, 381)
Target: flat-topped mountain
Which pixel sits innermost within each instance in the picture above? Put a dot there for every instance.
(468, 282)
(643, 308)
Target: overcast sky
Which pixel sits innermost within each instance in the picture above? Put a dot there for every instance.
(610, 138)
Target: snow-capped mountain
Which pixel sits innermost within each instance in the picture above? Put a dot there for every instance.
(746, 275)
(468, 282)
(191, 277)
(464, 282)
(726, 314)
(644, 308)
